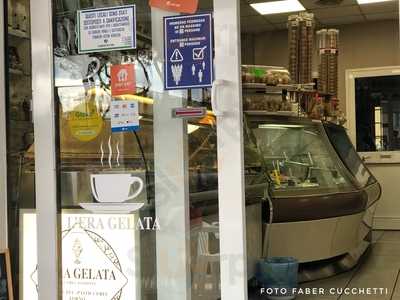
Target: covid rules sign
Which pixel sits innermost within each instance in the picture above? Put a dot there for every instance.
(180, 6)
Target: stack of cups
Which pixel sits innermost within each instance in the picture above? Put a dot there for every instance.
(301, 40)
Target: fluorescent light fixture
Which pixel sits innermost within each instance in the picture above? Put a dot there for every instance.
(278, 7)
(371, 1)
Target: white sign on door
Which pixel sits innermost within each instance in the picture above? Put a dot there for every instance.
(107, 29)
(100, 256)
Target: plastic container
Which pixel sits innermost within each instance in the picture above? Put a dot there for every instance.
(279, 277)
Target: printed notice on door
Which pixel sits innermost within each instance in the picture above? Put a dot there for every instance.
(107, 29)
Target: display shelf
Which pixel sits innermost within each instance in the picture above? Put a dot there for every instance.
(17, 72)
(254, 85)
(143, 36)
(18, 33)
(262, 87)
(274, 113)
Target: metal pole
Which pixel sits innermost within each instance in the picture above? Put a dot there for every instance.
(3, 137)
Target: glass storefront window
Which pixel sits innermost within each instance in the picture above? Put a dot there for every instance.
(136, 220)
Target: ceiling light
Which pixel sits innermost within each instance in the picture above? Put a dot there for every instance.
(278, 7)
(371, 1)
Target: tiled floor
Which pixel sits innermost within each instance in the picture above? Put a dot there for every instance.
(381, 269)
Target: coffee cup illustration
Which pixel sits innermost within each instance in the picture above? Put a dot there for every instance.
(115, 188)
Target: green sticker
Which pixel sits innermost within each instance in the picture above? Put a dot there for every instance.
(258, 72)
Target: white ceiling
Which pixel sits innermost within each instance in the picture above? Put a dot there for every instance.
(347, 12)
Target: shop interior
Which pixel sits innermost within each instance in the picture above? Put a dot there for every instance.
(313, 192)
(317, 47)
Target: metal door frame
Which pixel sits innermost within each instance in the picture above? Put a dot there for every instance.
(231, 194)
(230, 150)
(3, 132)
(45, 149)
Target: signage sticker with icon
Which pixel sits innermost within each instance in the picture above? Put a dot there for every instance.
(124, 116)
(180, 6)
(123, 80)
(188, 52)
(114, 193)
(106, 29)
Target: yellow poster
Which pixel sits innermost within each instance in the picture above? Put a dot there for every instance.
(85, 121)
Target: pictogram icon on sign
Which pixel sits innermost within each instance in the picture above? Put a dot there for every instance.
(176, 56)
(198, 53)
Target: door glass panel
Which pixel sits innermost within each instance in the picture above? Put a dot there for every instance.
(20, 155)
(139, 206)
(378, 114)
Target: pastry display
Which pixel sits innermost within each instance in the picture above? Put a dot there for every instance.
(265, 74)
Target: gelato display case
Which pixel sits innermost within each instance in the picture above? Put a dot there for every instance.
(322, 195)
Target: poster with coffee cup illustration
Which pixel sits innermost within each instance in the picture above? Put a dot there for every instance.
(180, 6)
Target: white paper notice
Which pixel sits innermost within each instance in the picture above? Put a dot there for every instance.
(107, 29)
(124, 116)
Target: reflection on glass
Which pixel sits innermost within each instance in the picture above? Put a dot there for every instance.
(296, 157)
(344, 148)
(377, 113)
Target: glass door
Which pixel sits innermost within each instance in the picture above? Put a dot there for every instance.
(128, 186)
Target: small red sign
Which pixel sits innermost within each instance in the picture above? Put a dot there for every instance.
(123, 80)
(180, 6)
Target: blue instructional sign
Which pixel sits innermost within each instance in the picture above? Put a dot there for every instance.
(188, 52)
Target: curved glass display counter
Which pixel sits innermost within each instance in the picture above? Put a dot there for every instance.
(322, 195)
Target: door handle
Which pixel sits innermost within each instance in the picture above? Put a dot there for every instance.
(214, 103)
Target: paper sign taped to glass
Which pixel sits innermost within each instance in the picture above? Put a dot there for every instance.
(123, 80)
(124, 116)
(106, 29)
(180, 6)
